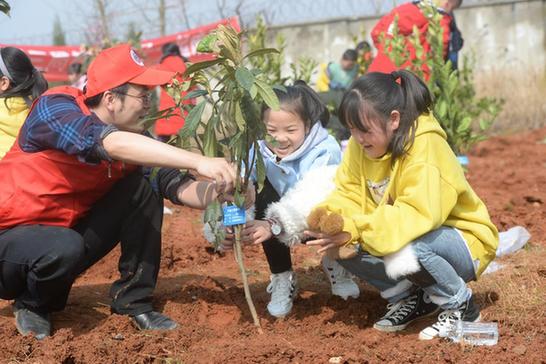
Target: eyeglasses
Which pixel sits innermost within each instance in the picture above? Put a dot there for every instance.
(146, 98)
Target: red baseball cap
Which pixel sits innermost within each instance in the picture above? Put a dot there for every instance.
(118, 65)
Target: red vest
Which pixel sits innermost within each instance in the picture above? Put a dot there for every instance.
(409, 15)
(51, 187)
(172, 124)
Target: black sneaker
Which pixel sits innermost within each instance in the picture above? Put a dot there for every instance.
(29, 322)
(404, 312)
(469, 311)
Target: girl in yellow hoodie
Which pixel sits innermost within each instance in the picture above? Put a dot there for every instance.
(419, 229)
(20, 83)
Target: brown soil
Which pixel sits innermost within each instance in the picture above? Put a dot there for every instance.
(202, 291)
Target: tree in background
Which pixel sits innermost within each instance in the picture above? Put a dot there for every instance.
(59, 38)
(272, 64)
(133, 35)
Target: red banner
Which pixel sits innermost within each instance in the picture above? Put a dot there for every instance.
(53, 61)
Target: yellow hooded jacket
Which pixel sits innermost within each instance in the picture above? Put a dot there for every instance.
(386, 207)
(12, 117)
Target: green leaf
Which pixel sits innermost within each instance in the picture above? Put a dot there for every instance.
(213, 212)
(464, 125)
(206, 45)
(484, 124)
(210, 142)
(201, 65)
(245, 78)
(260, 168)
(267, 94)
(235, 139)
(229, 43)
(253, 91)
(192, 120)
(271, 140)
(194, 94)
(239, 199)
(441, 109)
(239, 118)
(260, 52)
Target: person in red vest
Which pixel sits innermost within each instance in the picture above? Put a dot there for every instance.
(410, 15)
(74, 185)
(172, 60)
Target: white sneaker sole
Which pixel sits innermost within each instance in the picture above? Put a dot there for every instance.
(425, 336)
(346, 297)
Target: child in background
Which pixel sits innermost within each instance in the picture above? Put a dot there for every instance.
(365, 56)
(20, 84)
(76, 77)
(171, 60)
(339, 76)
(302, 144)
(420, 230)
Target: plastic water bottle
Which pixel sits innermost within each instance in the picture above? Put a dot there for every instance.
(473, 333)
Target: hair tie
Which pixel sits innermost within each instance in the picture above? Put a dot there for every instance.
(4, 69)
(396, 77)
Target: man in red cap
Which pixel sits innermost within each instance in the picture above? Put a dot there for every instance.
(74, 185)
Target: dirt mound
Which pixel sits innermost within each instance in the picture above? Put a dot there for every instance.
(202, 291)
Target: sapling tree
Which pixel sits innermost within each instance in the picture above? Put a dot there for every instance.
(464, 117)
(233, 126)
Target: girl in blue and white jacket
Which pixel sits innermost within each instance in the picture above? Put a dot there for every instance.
(301, 145)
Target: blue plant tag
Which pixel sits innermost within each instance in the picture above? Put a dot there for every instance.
(463, 159)
(233, 215)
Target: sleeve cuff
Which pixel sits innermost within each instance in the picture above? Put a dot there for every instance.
(99, 148)
(350, 227)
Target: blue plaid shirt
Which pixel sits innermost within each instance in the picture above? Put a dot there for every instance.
(57, 122)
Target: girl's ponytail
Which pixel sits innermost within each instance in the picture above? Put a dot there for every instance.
(39, 85)
(417, 98)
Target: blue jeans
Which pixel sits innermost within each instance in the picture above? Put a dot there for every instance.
(444, 258)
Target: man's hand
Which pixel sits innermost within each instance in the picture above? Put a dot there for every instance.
(218, 169)
(256, 232)
(326, 242)
(250, 197)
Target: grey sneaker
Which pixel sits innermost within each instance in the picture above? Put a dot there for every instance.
(341, 281)
(283, 289)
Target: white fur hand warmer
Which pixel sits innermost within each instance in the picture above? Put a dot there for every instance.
(292, 209)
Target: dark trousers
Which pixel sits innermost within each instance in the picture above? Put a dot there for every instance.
(38, 264)
(278, 254)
